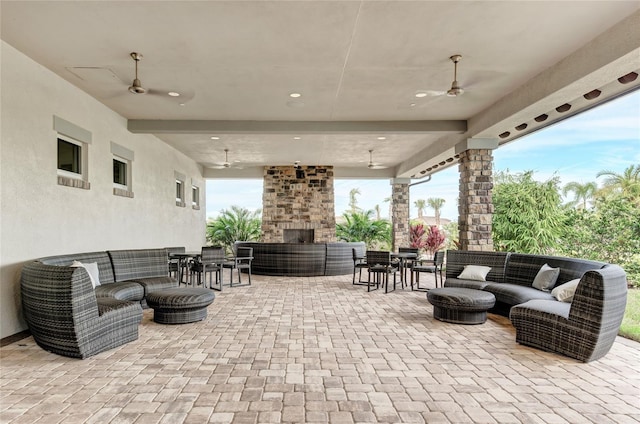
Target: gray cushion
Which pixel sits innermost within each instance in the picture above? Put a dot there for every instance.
(124, 290)
(156, 283)
(143, 263)
(513, 294)
(546, 278)
(460, 298)
(467, 284)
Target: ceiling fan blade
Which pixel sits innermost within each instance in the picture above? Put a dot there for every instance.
(376, 166)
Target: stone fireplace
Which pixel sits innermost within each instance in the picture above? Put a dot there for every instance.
(299, 200)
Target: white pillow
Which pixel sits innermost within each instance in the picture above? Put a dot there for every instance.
(92, 270)
(474, 272)
(564, 292)
(546, 278)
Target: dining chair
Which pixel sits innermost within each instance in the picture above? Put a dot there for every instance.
(241, 261)
(433, 266)
(175, 264)
(359, 263)
(210, 261)
(407, 263)
(379, 264)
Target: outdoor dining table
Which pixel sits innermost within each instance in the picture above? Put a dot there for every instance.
(403, 258)
(183, 261)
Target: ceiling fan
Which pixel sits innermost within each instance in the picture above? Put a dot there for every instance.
(136, 87)
(372, 164)
(454, 91)
(226, 164)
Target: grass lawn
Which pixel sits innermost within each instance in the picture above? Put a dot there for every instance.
(630, 327)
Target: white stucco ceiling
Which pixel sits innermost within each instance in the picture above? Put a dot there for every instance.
(357, 63)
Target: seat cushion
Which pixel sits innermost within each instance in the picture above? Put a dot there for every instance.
(514, 294)
(181, 298)
(466, 284)
(461, 298)
(154, 284)
(125, 290)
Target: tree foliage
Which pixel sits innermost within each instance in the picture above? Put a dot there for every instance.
(627, 184)
(420, 204)
(583, 193)
(417, 236)
(359, 226)
(528, 218)
(353, 201)
(234, 224)
(436, 204)
(610, 232)
(527, 215)
(435, 239)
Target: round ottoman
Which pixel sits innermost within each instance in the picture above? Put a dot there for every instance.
(180, 305)
(459, 305)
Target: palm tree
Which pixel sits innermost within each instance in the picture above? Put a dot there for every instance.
(436, 203)
(390, 201)
(582, 192)
(237, 224)
(627, 183)
(377, 209)
(420, 204)
(353, 202)
(360, 227)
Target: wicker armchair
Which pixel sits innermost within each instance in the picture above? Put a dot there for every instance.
(584, 329)
(65, 317)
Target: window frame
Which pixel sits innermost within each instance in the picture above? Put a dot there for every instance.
(82, 158)
(127, 170)
(195, 196)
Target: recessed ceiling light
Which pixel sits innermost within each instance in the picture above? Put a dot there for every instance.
(181, 104)
(421, 94)
(173, 94)
(412, 105)
(382, 138)
(296, 138)
(215, 138)
(295, 95)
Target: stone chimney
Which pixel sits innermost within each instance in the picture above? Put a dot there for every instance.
(298, 198)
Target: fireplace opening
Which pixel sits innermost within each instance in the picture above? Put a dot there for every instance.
(298, 236)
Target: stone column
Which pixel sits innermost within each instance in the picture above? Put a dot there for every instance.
(400, 213)
(475, 204)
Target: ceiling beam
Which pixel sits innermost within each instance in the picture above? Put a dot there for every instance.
(151, 126)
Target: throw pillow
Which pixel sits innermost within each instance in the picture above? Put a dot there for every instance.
(474, 272)
(92, 270)
(565, 292)
(546, 278)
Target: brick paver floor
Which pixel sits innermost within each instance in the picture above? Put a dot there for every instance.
(310, 350)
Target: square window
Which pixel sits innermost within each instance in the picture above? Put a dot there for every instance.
(69, 157)
(179, 191)
(120, 173)
(195, 196)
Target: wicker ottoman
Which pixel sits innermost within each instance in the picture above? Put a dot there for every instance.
(459, 305)
(180, 305)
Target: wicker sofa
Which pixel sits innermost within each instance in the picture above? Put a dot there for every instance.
(67, 316)
(584, 329)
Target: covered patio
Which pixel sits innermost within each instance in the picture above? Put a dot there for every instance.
(320, 350)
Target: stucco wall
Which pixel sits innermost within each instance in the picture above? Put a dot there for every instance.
(41, 218)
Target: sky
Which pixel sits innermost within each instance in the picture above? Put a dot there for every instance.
(604, 138)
